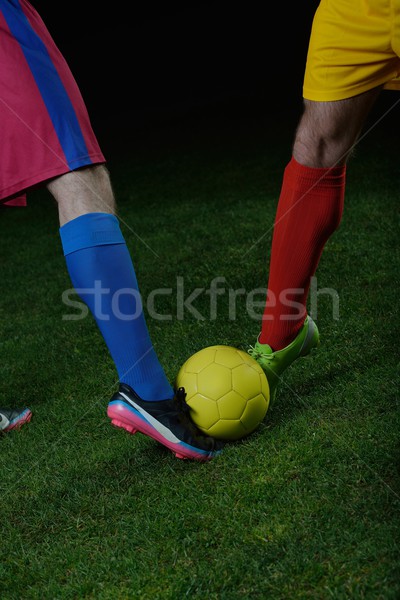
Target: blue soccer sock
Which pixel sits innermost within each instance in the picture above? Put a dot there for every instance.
(102, 273)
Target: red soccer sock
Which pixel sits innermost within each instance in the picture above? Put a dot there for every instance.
(309, 210)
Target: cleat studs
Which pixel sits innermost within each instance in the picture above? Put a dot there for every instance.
(121, 424)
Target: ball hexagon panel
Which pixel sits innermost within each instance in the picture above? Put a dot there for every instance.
(254, 412)
(246, 381)
(204, 411)
(225, 356)
(188, 381)
(231, 406)
(214, 381)
(197, 362)
(227, 430)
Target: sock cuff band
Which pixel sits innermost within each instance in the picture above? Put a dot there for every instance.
(331, 176)
(87, 231)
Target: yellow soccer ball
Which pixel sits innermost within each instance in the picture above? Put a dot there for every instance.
(227, 391)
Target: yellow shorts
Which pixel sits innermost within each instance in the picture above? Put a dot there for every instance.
(354, 46)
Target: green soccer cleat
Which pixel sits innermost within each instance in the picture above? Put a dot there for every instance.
(274, 363)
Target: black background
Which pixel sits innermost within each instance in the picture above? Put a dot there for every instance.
(157, 62)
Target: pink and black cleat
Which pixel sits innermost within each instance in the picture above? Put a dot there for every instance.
(13, 418)
(166, 421)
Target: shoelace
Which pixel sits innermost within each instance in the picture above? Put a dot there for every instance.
(256, 353)
(183, 413)
(180, 402)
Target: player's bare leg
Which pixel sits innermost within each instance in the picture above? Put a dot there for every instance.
(309, 211)
(83, 191)
(327, 131)
(96, 255)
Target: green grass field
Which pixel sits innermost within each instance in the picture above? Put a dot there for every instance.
(305, 507)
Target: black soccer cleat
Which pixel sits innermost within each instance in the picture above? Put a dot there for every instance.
(13, 418)
(167, 421)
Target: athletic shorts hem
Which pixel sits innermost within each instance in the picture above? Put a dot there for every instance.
(393, 85)
(332, 95)
(40, 179)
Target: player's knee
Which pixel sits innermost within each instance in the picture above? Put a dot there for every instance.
(83, 191)
(321, 144)
(90, 185)
(321, 151)
(327, 131)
